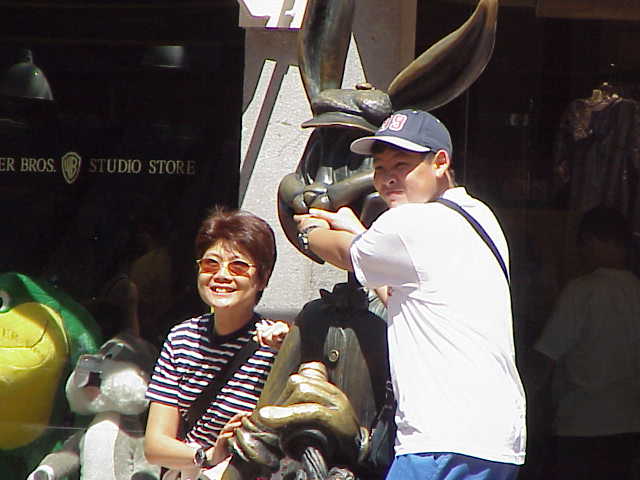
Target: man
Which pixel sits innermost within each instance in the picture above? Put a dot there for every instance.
(591, 341)
(461, 407)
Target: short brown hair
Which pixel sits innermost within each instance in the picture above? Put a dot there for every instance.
(241, 230)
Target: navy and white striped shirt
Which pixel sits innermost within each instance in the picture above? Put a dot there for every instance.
(189, 361)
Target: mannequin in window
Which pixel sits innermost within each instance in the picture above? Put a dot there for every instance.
(589, 344)
(597, 153)
(151, 274)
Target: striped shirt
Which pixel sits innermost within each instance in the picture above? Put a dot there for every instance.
(191, 358)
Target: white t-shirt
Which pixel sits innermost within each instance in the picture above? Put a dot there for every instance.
(594, 335)
(450, 330)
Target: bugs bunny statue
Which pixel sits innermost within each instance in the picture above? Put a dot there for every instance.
(329, 176)
(328, 428)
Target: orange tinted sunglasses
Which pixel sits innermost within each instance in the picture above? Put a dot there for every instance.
(235, 267)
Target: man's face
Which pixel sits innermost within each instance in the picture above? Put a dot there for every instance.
(404, 177)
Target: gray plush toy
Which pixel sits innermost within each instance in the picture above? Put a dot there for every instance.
(111, 386)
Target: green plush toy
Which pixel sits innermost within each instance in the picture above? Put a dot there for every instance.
(42, 333)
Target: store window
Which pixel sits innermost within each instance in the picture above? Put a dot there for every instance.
(105, 180)
(114, 143)
(549, 132)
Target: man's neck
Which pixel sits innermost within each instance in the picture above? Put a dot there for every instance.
(441, 192)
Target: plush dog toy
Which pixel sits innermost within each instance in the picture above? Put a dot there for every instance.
(110, 385)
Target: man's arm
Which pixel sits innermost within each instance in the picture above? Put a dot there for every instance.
(332, 240)
(332, 246)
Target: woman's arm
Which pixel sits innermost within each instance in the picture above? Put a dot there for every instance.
(221, 450)
(161, 447)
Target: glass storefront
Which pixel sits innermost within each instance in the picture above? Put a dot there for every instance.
(111, 174)
(112, 148)
(547, 133)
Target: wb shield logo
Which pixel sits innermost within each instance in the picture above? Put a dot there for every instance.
(71, 163)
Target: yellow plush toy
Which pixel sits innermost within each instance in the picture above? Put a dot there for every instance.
(42, 333)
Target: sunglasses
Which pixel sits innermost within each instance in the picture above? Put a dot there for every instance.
(234, 267)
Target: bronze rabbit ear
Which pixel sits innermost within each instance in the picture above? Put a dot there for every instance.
(329, 175)
(449, 67)
(323, 43)
(440, 74)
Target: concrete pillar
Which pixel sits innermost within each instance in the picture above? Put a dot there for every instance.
(275, 104)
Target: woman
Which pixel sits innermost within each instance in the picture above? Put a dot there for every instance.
(236, 254)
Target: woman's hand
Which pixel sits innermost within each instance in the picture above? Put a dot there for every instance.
(271, 334)
(220, 449)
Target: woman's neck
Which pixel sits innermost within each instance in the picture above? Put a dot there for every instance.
(229, 321)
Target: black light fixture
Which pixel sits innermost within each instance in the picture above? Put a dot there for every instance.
(24, 80)
(166, 56)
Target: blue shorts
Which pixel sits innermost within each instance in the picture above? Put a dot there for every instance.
(449, 466)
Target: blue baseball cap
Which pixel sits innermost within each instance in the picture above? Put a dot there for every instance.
(413, 130)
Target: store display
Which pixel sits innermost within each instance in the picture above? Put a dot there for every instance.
(42, 332)
(110, 386)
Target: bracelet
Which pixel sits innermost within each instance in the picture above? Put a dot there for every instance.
(306, 230)
(200, 458)
(303, 237)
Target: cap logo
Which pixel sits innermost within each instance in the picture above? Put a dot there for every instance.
(394, 123)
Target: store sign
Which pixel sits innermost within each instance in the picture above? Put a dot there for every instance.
(71, 166)
(71, 163)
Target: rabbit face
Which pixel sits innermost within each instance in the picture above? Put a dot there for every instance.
(327, 166)
(329, 176)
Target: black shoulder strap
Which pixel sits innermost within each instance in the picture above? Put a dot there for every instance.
(200, 404)
(481, 231)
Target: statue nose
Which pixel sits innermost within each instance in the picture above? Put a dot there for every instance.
(315, 196)
(309, 197)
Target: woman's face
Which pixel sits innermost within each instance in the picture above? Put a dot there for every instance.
(228, 287)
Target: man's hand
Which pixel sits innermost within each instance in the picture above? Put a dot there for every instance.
(306, 220)
(344, 219)
(331, 242)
